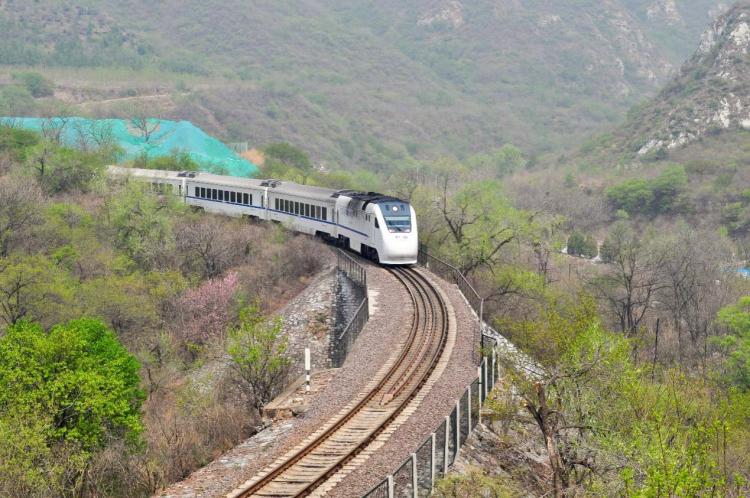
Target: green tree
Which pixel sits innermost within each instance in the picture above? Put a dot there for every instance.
(289, 155)
(609, 430)
(501, 162)
(63, 395)
(478, 223)
(736, 318)
(36, 84)
(669, 191)
(16, 100)
(579, 375)
(176, 161)
(142, 223)
(634, 196)
(474, 483)
(663, 195)
(32, 287)
(62, 169)
(580, 245)
(283, 160)
(17, 142)
(258, 348)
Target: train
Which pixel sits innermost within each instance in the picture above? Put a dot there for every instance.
(379, 227)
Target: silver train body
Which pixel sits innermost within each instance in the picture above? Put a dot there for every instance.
(379, 227)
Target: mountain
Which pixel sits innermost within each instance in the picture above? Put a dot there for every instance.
(363, 82)
(709, 95)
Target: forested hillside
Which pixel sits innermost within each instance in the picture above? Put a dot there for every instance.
(123, 321)
(365, 83)
(611, 249)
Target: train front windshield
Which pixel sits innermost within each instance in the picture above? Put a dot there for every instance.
(397, 216)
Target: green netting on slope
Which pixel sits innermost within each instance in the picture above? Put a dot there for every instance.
(167, 137)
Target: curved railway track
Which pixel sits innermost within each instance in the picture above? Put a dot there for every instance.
(352, 432)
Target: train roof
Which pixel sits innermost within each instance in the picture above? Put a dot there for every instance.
(277, 186)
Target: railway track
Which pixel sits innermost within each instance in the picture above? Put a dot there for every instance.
(353, 431)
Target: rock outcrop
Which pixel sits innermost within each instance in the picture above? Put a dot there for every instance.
(710, 93)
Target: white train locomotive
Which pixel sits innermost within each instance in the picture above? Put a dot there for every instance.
(379, 227)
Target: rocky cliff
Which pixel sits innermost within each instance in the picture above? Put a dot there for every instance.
(710, 93)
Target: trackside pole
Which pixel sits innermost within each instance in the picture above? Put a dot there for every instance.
(307, 370)
(479, 393)
(447, 442)
(414, 476)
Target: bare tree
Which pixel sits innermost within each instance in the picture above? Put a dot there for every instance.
(210, 246)
(693, 292)
(145, 126)
(141, 118)
(53, 129)
(20, 201)
(632, 278)
(93, 135)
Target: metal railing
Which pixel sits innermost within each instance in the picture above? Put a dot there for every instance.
(451, 274)
(417, 475)
(351, 267)
(344, 340)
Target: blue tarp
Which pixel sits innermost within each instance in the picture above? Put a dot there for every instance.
(167, 137)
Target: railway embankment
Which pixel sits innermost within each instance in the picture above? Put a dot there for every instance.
(430, 409)
(366, 357)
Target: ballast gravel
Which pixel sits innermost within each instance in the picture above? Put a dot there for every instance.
(389, 322)
(458, 375)
(370, 351)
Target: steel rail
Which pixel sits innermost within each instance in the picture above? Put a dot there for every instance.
(429, 328)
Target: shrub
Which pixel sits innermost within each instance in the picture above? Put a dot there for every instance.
(579, 245)
(36, 84)
(663, 195)
(64, 395)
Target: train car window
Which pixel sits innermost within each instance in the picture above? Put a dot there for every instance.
(214, 195)
(221, 195)
(197, 192)
(377, 225)
(307, 210)
(276, 204)
(232, 197)
(325, 214)
(317, 212)
(202, 193)
(247, 199)
(296, 207)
